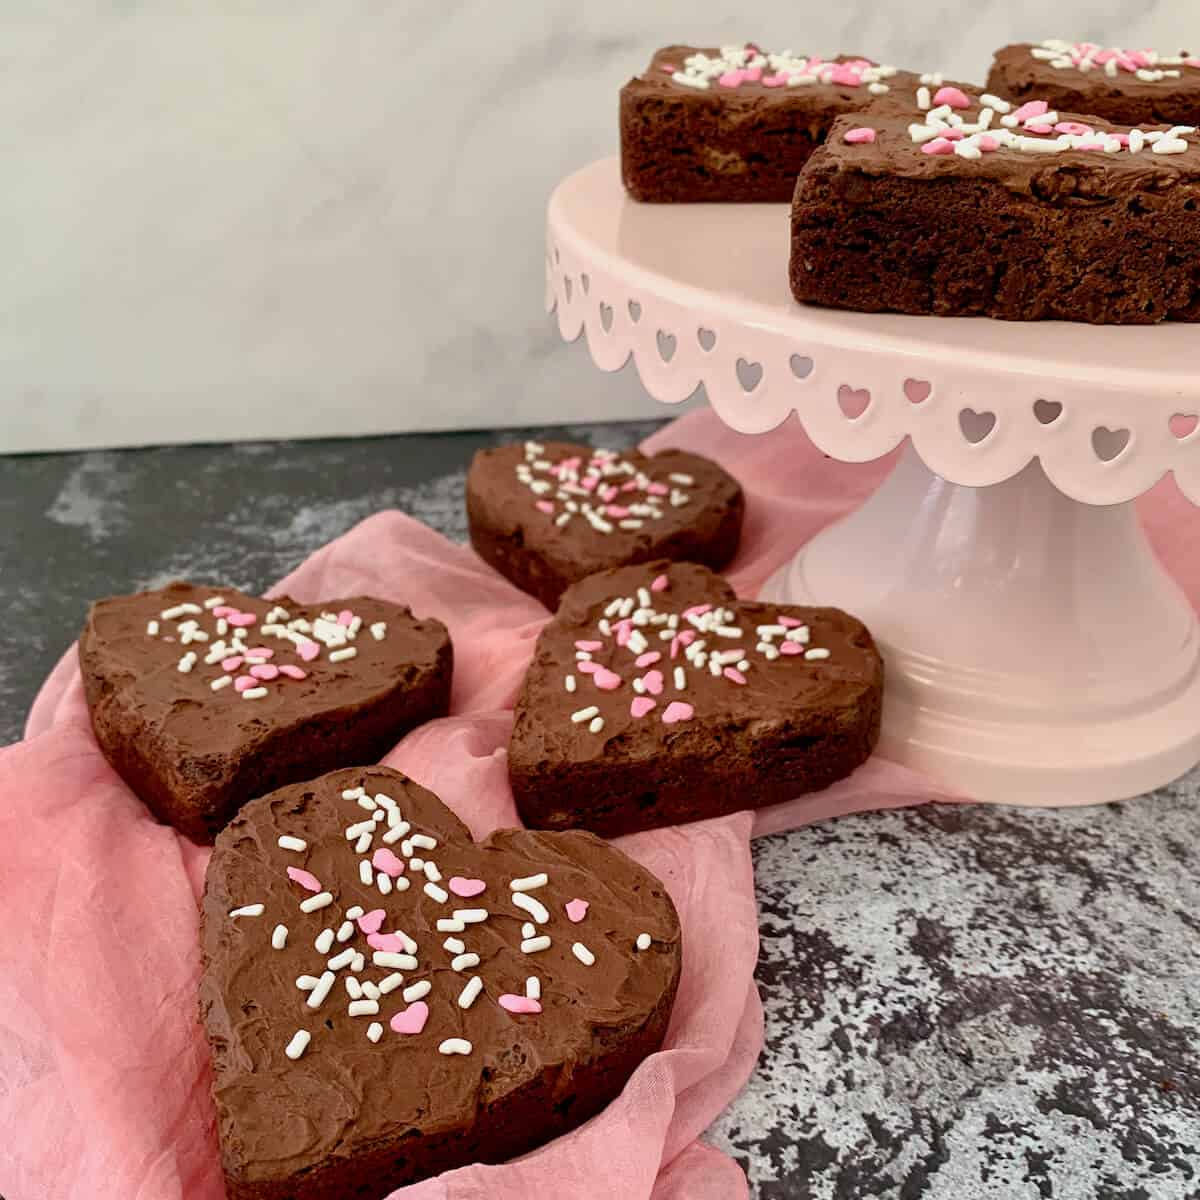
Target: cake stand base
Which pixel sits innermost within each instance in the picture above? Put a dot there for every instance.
(1037, 653)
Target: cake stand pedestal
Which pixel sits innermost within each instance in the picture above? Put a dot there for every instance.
(1037, 653)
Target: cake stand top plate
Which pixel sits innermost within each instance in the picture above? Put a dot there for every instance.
(698, 294)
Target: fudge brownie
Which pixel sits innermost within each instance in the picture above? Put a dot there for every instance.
(202, 698)
(1127, 87)
(982, 209)
(387, 999)
(736, 123)
(656, 697)
(547, 515)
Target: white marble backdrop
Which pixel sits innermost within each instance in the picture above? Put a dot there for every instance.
(224, 219)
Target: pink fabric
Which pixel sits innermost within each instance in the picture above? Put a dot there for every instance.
(104, 1073)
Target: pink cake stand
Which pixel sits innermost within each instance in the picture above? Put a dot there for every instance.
(1037, 653)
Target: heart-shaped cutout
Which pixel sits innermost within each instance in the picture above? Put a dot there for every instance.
(666, 346)
(721, 704)
(546, 514)
(853, 401)
(749, 374)
(707, 338)
(1109, 443)
(348, 1070)
(635, 311)
(917, 391)
(181, 712)
(1183, 425)
(802, 365)
(606, 316)
(976, 426)
(1047, 411)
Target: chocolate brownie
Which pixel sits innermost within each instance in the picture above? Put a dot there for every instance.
(202, 698)
(547, 515)
(1128, 87)
(981, 209)
(656, 697)
(386, 999)
(737, 123)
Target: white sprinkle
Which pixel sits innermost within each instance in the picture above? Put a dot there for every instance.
(180, 610)
(151, 628)
(529, 929)
(584, 714)
(374, 1031)
(529, 883)
(680, 679)
(436, 893)
(596, 725)
(638, 686)
(643, 941)
(454, 945)
(352, 793)
(187, 662)
(379, 630)
(317, 996)
(923, 98)
(306, 983)
(395, 834)
(279, 937)
(1137, 140)
(384, 883)
(358, 963)
(324, 941)
(471, 915)
(464, 962)
(416, 864)
(354, 912)
(684, 480)
(367, 802)
(363, 844)
(320, 900)
(582, 953)
(391, 983)
(299, 1043)
(254, 693)
(533, 988)
(569, 683)
(342, 959)
(370, 990)
(816, 654)
(450, 925)
(424, 841)
(534, 944)
(455, 1046)
(248, 910)
(287, 842)
(416, 991)
(432, 873)
(363, 1008)
(389, 958)
(353, 988)
(366, 872)
(470, 993)
(533, 907)
(342, 655)
(223, 627)
(214, 601)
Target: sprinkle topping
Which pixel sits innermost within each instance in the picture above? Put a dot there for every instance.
(1146, 65)
(735, 66)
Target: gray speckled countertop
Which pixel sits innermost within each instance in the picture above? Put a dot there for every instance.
(962, 1003)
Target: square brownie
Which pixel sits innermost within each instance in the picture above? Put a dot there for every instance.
(1129, 87)
(737, 123)
(980, 209)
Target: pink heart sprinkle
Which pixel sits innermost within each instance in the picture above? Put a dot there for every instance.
(292, 672)
(608, 493)
(648, 659)
(730, 79)
(1039, 127)
(985, 141)
(393, 943)
(641, 705)
(466, 887)
(259, 653)
(306, 879)
(952, 96)
(863, 133)
(589, 484)
(223, 610)
(412, 1019)
(546, 506)
(1076, 127)
(513, 1004)
(576, 910)
(939, 145)
(654, 682)
(244, 683)
(660, 584)
(658, 489)
(631, 486)
(697, 610)
(606, 680)
(587, 668)
(791, 648)
(384, 860)
(734, 674)
(371, 921)
(231, 663)
(589, 646)
(265, 671)
(789, 622)
(616, 510)
(308, 650)
(241, 619)
(345, 618)
(677, 710)
(1031, 108)
(776, 80)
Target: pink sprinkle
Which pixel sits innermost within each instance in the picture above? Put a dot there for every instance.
(1090, 146)
(697, 610)
(306, 879)
(412, 1019)
(952, 96)
(466, 887)
(789, 622)
(648, 659)
(292, 672)
(641, 706)
(264, 671)
(576, 910)
(391, 942)
(776, 80)
(384, 860)
(243, 683)
(589, 483)
(516, 1004)
(608, 492)
(223, 610)
(587, 668)
(846, 74)
(241, 619)
(371, 921)
(606, 680)
(624, 631)
(752, 74)
(861, 133)
(734, 674)
(257, 653)
(631, 486)
(231, 663)
(1039, 127)
(345, 617)
(308, 650)
(1031, 108)
(939, 145)
(657, 489)
(616, 510)
(985, 141)
(589, 646)
(654, 682)
(953, 135)
(730, 79)
(660, 584)
(546, 506)
(669, 68)
(791, 648)
(1076, 127)
(677, 710)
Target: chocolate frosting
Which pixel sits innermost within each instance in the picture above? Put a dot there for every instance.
(179, 744)
(347, 1098)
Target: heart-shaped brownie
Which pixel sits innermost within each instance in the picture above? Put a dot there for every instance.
(655, 696)
(202, 698)
(386, 998)
(546, 515)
